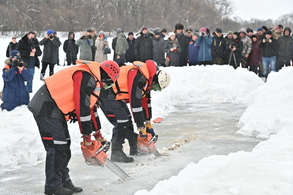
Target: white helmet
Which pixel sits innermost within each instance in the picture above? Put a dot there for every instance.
(163, 79)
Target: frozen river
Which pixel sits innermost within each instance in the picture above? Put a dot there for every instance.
(185, 136)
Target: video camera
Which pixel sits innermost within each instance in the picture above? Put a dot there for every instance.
(232, 44)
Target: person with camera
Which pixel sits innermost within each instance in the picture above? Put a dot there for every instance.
(85, 44)
(50, 52)
(14, 75)
(269, 47)
(205, 52)
(101, 45)
(235, 49)
(29, 49)
(173, 50)
(247, 45)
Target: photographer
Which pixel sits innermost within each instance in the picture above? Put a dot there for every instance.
(51, 45)
(235, 49)
(205, 52)
(14, 74)
(85, 44)
(29, 49)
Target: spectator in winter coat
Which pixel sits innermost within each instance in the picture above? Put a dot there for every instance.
(277, 31)
(144, 46)
(261, 36)
(159, 53)
(92, 35)
(188, 34)
(204, 41)
(101, 43)
(249, 32)
(235, 49)
(254, 58)
(14, 75)
(130, 53)
(50, 52)
(218, 47)
(269, 47)
(173, 49)
(120, 49)
(58, 59)
(285, 43)
(85, 44)
(184, 44)
(193, 50)
(163, 33)
(119, 30)
(247, 44)
(29, 49)
(11, 46)
(228, 39)
(71, 49)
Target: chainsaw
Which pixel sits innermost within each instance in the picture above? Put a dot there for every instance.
(96, 155)
(147, 145)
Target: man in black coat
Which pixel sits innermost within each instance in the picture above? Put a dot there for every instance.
(218, 47)
(130, 53)
(285, 43)
(51, 44)
(11, 47)
(71, 49)
(29, 48)
(144, 46)
(184, 44)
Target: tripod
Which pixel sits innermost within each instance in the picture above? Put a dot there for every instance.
(232, 54)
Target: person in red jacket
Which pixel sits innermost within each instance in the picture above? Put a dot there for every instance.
(71, 93)
(134, 86)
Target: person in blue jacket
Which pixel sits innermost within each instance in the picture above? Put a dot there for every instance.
(193, 50)
(205, 52)
(14, 74)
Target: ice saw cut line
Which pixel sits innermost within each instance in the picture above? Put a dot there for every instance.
(96, 155)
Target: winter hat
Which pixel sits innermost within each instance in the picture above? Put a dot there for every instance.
(218, 30)
(157, 32)
(101, 32)
(15, 53)
(236, 33)
(119, 30)
(196, 33)
(259, 29)
(242, 30)
(143, 28)
(171, 34)
(254, 35)
(280, 26)
(203, 29)
(189, 30)
(249, 30)
(130, 33)
(164, 30)
(265, 28)
(50, 31)
(229, 33)
(179, 27)
(89, 30)
(287, 28)
(269, 32)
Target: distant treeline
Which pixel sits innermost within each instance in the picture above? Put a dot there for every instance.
(130, 15)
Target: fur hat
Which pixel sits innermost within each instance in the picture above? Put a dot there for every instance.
(229, 33)
(265, 28)
(179, 27)
(242, 30)
(189, 30)
(171, 34)
(164, 30)
(7, 61)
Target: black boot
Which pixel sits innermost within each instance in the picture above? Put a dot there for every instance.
(133, 147)
(59, 191)
(119, 156)
(72, 187)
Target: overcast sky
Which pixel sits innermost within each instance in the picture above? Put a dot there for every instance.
(262, 9)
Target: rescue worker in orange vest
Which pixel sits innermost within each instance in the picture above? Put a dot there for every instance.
(133, 86)
(72, 92)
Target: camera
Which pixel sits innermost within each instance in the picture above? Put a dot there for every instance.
(232, 44)
(17, 63)
(34, 43)
(51, 36)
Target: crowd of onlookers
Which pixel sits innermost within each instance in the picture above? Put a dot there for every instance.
(260, 50)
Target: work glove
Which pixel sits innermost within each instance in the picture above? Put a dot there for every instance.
(98, 136)
(87, 140)
(149, 129)
(142, 132)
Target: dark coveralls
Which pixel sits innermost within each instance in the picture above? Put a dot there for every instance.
(54, 130)
(118, 113)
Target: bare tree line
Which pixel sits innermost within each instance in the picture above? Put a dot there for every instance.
(131, 15)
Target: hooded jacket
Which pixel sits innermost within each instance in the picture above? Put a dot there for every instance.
(255, 54)
(144, 47)
(159, 54)
(285, 43)
(121, 45)
(69, 46)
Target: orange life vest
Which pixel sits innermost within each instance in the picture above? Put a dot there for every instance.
(61, 86)
(121, 86)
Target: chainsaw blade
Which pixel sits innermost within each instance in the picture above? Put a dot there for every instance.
(116, 169)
